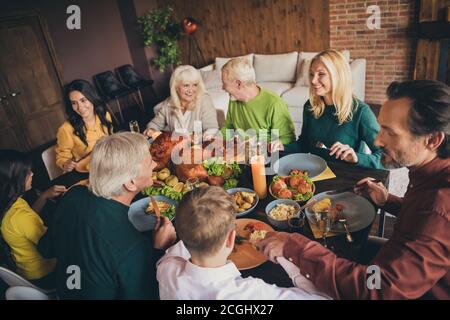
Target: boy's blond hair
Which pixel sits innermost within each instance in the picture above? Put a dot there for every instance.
(204, 218)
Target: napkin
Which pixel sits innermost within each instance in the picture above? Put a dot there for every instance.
(327, 174)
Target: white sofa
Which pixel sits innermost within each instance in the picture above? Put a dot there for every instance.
(285, 74)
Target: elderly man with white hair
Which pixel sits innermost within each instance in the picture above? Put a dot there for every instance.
(100, 254)
(252, 107)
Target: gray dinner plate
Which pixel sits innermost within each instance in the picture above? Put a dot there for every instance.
(358, 211)
(139, 219)
(311, 163)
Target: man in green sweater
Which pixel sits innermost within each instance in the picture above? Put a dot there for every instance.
(252, 107)
(100, 255)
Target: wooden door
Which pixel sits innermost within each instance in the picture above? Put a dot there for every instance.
(30, 84)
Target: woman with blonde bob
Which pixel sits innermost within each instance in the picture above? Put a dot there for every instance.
(188, 103)
(336, 125)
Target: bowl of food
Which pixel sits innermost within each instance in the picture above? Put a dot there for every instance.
(245, 200)
(296, 186)
(142, 214)
(278, 212)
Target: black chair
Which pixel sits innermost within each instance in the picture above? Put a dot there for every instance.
(111, 88)
(131, 78)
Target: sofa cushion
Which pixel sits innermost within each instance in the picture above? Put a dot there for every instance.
(220, 99)
(276, 67)
(304, 61)
(212, 79)
(277, 87)
(296, 96)
(303, 76)
(220, 62)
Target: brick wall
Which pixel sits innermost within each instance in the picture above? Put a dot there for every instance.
(390, 51)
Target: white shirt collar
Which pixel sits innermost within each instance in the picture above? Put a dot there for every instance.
(207, 275)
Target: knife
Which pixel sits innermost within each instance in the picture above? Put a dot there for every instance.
(346, 189)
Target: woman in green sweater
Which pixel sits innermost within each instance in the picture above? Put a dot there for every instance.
(335, 124)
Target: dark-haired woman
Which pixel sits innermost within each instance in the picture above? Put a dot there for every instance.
(21, 226)
(87, 122)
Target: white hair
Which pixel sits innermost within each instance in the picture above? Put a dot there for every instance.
(115, 160)
(240, 69)
(182, 74)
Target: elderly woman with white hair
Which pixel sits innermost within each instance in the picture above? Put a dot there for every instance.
(187, 105)
(100, 254)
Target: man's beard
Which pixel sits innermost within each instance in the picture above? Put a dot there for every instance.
(390, 162)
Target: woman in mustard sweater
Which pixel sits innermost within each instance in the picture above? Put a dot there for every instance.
(87, 122)
(21, 226)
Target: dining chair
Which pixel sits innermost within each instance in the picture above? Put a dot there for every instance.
(111, 88)
(131, 78)
(25, 293)
(12, 279)
(49, 159)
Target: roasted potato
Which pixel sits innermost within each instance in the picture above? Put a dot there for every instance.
(163, 174)
(244, 200)
(171, 180)
(178, 187)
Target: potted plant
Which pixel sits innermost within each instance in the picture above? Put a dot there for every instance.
(160, 28)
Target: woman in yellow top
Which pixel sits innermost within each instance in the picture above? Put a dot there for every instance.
(87, 122)
(21, 226)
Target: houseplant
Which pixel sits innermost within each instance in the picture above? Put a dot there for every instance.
(160, 28)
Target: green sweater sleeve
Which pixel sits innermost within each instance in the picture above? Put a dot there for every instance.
(137, 273)
(368, 130)
(301, 145)
(282, 121)
(228, 123)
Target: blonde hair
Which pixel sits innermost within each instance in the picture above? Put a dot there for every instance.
(183, 74)
(115, 160)
(204, 218)
(240, 69)
(341, 86)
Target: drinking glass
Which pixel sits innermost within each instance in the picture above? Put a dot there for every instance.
(325, 226)
(296, 223)
(134, 126)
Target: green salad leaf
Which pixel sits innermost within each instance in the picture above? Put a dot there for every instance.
(230, 183)
(236, 169)
(170, 212)
(164, 190)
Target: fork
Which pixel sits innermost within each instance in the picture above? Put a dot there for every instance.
(348, 235)
(321, 145)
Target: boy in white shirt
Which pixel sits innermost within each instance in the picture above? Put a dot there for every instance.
(196, 268)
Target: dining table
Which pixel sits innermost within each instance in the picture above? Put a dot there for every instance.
(346, 176)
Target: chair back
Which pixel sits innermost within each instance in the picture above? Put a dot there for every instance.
(129, 75)
(49, 159)
(108, 84)
(12, 279)
(25, 293)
